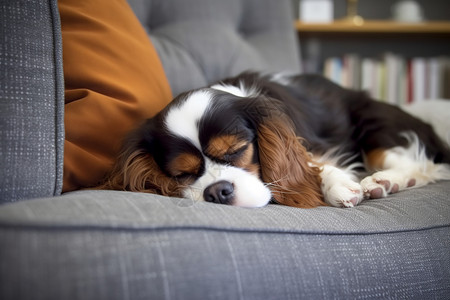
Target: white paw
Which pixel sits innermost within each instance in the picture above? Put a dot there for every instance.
(343, 193)
(339, 187)
(382, 183)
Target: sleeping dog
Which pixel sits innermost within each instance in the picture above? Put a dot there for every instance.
(299, 140)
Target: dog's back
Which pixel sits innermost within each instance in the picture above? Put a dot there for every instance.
(329, 116)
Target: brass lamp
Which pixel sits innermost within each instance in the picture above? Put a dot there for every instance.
(352, 13)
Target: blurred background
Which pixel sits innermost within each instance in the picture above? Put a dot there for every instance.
(395, 60)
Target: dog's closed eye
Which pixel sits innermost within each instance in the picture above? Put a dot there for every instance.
(234, 154)
(226, 147)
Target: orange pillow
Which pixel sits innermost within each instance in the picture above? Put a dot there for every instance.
(113, 80)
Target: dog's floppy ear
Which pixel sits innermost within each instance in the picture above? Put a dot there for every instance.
(286, 166)
(136, 170)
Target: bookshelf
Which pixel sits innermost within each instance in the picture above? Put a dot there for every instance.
(383, 45)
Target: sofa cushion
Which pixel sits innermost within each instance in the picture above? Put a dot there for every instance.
(31, 100)
(414, 209)
(132, 245)
(203, 41)
(113, 80)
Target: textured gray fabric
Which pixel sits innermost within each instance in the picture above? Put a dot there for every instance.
(414, 209)
(50, 262)
(31, 100)
(202, 41)
(195, 264)
(121, 245)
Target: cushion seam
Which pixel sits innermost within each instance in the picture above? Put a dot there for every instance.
(122, 228)
(59, 97)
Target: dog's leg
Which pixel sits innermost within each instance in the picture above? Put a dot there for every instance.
(400, 168)
(339, 186)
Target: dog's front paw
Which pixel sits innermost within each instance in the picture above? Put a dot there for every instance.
(343, 193)
(339, 187)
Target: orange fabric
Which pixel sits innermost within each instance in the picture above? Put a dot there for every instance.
(113, 80)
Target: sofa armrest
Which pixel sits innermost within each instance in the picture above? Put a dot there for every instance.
(31, 100)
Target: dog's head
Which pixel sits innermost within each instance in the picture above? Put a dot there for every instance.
(220, 145)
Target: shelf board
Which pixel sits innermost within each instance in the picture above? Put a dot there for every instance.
(373, 26)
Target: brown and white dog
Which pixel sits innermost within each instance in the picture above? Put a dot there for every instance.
(297, 140)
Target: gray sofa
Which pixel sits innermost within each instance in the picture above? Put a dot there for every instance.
(121, 245)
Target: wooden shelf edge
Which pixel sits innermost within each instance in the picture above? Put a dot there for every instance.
(374, 26)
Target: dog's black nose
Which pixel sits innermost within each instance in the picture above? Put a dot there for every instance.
(219, 192)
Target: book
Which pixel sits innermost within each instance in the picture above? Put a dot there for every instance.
(419, 80)
(391, 77)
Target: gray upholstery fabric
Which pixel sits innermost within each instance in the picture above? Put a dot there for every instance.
(203, 41)
(119, 245)
(200, 264)
(414, 209)
(31, 100)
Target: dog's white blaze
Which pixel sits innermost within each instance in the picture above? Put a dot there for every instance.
(183, 120)
(229, 89)
(248, 189)
(241, 91)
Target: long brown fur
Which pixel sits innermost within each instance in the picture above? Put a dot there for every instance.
(138, 172)
(285, 166)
